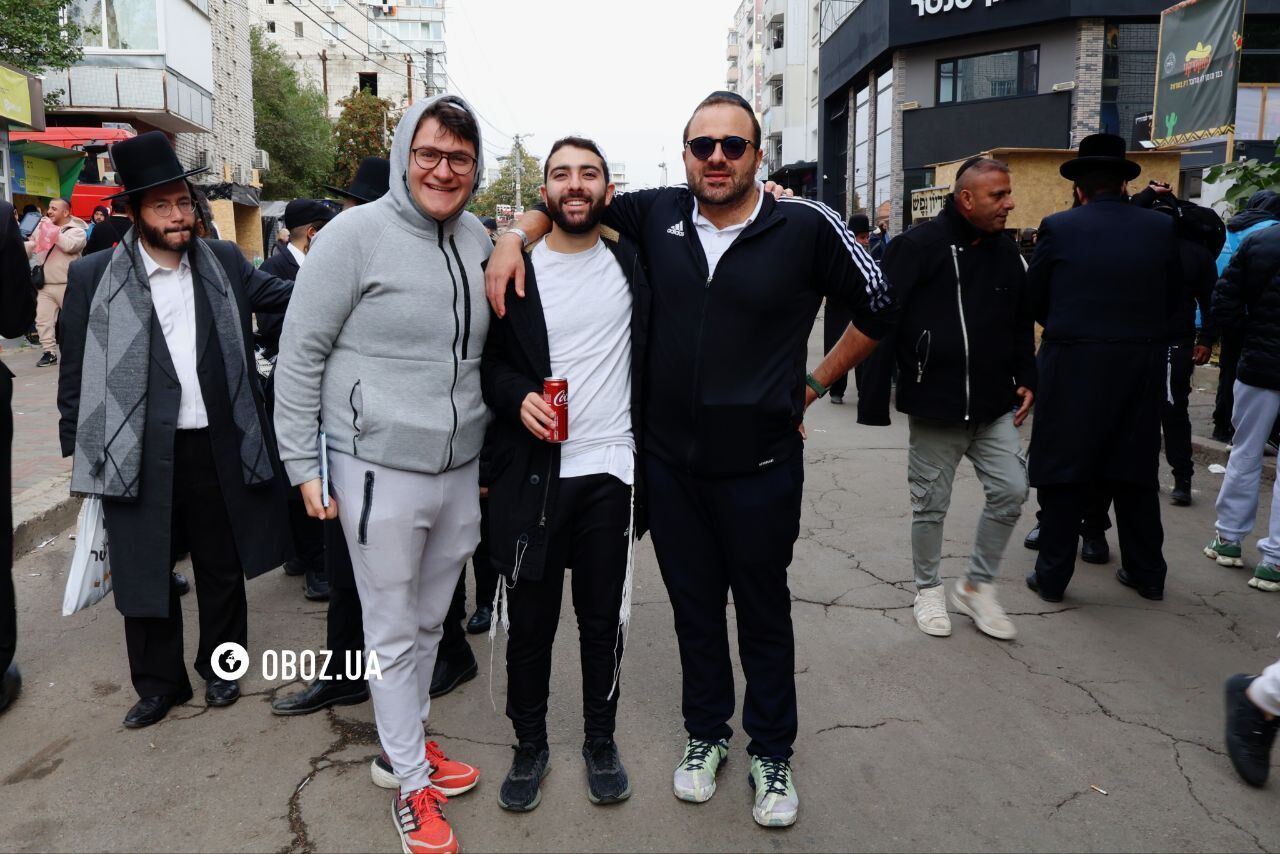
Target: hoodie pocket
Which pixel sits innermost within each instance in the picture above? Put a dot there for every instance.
(923, 345)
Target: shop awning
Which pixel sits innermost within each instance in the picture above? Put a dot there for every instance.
(40, 169)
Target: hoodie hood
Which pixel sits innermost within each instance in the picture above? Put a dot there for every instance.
(1263, 205)
(398, 192)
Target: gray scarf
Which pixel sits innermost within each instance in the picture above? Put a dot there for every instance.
(113, 378)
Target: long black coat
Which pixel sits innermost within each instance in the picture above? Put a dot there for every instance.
(271, 323)
(1102, 282)
(142, 553)
(523, 473)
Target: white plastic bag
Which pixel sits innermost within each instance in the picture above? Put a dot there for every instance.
(90, 577)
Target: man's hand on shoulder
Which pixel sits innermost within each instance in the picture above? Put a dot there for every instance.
(505, 264)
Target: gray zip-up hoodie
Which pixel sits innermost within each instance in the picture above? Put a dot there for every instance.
(384, 331)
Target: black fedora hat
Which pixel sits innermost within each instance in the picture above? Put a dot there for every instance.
(148, 160)
(859, 224)
(372, 180)
(1101, 152)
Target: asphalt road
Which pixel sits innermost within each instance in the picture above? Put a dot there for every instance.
(906, 742)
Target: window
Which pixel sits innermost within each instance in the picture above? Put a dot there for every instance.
(369, 81)
(777, 95)
(777, 37)
(297, 29)
(117, 24)
(1258, 111)
(993, 75)
(884, 137)
(861, 149)
(271, 26)
(1128, 75)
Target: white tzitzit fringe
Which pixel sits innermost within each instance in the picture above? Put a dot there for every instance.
(624, 612)
(1168, 377)
(501, 614)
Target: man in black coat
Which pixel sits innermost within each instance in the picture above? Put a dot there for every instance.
(1105, 309)
(17, 310)
(112, 230)
(170, 429)
(966, 359)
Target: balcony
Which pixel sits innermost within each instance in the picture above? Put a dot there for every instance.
(145, 89)
(731, 52)
(733, 75)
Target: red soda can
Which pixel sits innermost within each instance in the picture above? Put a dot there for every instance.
(555, 391)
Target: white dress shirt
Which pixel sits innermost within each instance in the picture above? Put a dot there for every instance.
(173, 295)
(716, 240)
(298, 254)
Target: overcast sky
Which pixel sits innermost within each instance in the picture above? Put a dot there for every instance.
(625, 74)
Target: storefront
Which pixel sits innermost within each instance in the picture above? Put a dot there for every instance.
(907, 84)
(21, 108)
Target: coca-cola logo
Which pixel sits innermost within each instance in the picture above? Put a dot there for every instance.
(561, 398)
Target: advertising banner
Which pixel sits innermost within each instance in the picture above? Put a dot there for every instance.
(1198, 67)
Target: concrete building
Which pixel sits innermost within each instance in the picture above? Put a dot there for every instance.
(908, 85)
(618, 175)
(394, 49)
(772, 52)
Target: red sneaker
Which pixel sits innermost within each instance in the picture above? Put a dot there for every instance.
(450, 777)
(421, 824)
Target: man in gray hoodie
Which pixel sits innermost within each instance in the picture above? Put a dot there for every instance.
(381, 350)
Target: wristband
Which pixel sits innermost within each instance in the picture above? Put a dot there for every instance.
(818, 387)
(524, 238)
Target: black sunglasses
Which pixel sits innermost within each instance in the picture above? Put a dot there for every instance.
(703, 147)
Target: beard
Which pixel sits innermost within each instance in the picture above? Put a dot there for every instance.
(173, 238)
(738, 187)
(591, 219)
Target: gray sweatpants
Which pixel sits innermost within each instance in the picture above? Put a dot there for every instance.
(1265, 690)
(1253, 416)
(409, 535)
(936, 448)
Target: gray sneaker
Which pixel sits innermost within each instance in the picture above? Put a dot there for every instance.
(695, 777)
(776, 801)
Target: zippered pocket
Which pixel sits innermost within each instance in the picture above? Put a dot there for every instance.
(923, 345)
(362, 532)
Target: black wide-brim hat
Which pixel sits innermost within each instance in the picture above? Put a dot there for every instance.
(859, 223)
(372, 180)
(1101, 152)
(148, 160)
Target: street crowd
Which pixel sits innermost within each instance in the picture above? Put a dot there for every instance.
(369, 409)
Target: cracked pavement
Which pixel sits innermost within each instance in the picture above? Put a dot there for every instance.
(906, 742)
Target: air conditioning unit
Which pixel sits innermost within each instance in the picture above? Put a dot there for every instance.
(385, 43)
(331, 41)
(261, 160)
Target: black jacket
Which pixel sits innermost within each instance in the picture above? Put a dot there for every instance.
(1198, 251)
(1247, 300)
(965, 337)
(17, 297)
(725, 380)
(107, 233)
(521, 472)
(140, 543)
(271, 323)
(1103, 358)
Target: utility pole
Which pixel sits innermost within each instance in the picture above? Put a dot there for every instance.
(324, 80)
(519, 155)
(408, 75)
(430, 76)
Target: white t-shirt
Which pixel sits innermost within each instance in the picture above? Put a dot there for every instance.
(174, 297)
(716, 240)
(587, 304)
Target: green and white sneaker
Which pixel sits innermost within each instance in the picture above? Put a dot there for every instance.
(1266, 577)
(776, 802)
(1225, 552)
(695, 777)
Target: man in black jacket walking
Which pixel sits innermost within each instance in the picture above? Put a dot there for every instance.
(1102, 368)
(162, 411)
(1246, 301)
(725, 395)
(558, 506)
(966, 358)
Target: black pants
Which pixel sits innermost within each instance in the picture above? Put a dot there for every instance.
(307, 532)
(201, 526)
(8, 603)
(1096, 520)
(344, 623)
(1141, 534)
(713, 535)
(835, 320)
(454, 640)
(1173, 417)
(1228, 361)
(587, 536)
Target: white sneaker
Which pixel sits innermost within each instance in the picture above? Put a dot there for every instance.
(695, 777)
(981, 605)
(931, 612)
(775, 800)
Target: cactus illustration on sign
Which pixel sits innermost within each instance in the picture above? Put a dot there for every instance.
(1170, 121)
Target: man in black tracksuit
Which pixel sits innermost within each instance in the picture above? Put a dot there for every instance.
(725, 394)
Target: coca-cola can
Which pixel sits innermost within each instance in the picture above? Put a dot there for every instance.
(555, 391)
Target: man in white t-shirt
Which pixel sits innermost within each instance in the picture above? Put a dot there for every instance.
(566, 505)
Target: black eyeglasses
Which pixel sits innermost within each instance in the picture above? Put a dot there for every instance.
(703, 147)
(460, 163)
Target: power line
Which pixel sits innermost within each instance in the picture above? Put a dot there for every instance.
(335, 36)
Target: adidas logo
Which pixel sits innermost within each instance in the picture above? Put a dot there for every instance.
(677, 229)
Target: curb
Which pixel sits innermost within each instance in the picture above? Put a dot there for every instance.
(1207, 452)
(43, 511)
